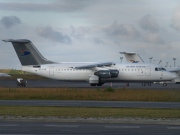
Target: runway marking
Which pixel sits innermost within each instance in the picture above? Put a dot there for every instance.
(174, 127)
(122, 126)
(67, 126)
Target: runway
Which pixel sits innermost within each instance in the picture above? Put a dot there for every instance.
(70, 128)
(74, 103)
(49, 83)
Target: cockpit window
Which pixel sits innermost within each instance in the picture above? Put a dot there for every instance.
(160, 69)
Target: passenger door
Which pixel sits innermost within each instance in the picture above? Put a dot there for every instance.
(148, 71)
(51, 71)
(141, 71)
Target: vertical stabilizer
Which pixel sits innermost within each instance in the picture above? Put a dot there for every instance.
(27, 52)
(132, 57)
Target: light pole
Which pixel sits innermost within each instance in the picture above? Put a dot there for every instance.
(150, 59)
(121, 59)
(160, 62)
(174, 61)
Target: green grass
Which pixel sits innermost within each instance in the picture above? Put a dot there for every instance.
(75, 112)
(101, 94)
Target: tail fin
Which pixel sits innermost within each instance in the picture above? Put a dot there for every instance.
(132, 57)
(27, 52)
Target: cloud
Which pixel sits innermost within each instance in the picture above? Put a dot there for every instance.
(49, 33)
(154, 38)
(176, 19)
(126, 31)
(10, 21)
(98, 41)
(80, 32)
(148, 23)
(57, 6)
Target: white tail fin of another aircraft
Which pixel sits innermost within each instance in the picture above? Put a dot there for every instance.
(132, 57)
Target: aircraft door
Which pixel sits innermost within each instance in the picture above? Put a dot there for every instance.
(161, 77)
(141, 71)
(148, 71)
(51, 71)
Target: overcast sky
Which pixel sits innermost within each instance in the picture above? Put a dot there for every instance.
(91, 30)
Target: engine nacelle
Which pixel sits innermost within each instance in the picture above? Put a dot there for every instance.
(114, 73)
(103, 74)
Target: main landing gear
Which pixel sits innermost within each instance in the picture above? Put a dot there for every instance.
(148, 84)
(96, 84)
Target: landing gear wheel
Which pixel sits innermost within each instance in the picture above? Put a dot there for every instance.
(99, 84)
(93, 84)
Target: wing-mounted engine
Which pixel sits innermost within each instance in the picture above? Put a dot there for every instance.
(102, 75)
(112, 73)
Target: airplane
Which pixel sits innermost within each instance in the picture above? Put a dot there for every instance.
(96, 73)
(4, 75)
(132, 57)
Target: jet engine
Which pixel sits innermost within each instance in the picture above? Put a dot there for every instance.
(112, 73)
(103, 74)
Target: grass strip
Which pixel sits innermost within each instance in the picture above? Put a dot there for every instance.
(75, 112)
(102, 94)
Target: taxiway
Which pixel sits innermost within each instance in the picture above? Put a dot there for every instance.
(48, 83)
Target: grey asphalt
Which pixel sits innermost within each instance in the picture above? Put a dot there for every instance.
(70, 128)
(74, 103)
(49, 83)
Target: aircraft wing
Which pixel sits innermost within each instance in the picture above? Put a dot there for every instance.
(95, 65)
(132, 57)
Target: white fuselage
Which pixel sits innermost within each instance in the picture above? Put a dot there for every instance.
(129, 72)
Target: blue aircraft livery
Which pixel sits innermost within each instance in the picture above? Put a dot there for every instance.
(24, 52)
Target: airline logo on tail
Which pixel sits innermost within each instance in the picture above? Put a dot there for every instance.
(133, 61)
(24, 52)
